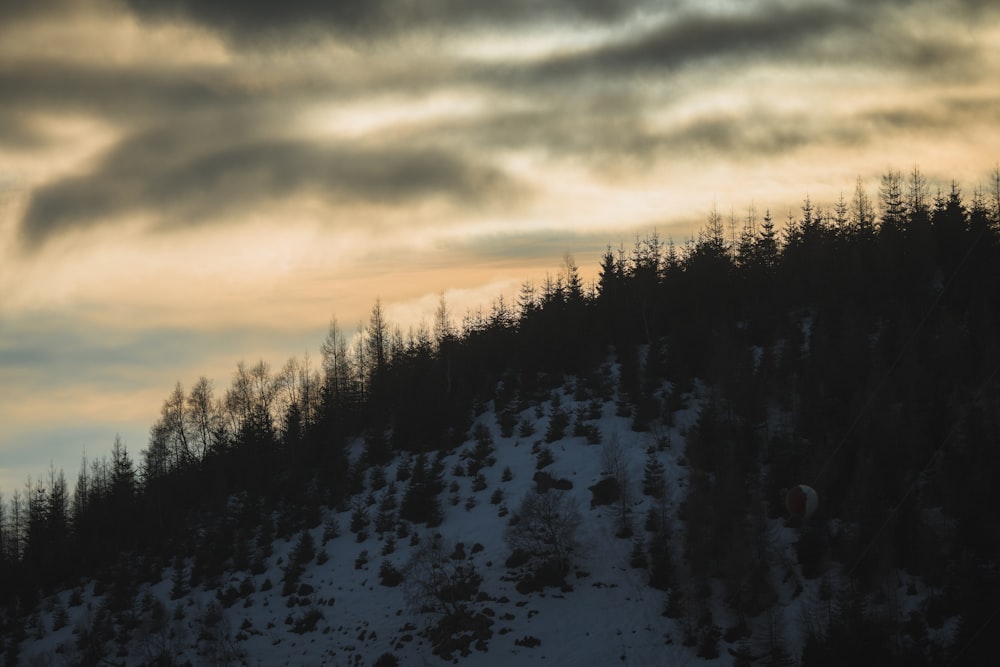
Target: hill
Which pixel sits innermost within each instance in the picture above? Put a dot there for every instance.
(586, 476)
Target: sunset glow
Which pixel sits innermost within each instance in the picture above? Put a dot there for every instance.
(192, 185)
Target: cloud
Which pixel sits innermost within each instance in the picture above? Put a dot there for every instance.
(46, 349)
(19, 131)
(200, 144)
(117, 93)
(22, 10)
(592, 119)
(251, 22)
(186, 177)
(696, 37)
(915, 38)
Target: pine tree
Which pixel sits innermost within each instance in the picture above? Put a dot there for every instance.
(420, 501)
(359, 520)
(653, 481)
(179, 579)
(893, 204)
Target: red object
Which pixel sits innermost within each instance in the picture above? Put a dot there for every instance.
(801, 501)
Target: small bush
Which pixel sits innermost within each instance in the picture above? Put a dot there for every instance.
(386, 660)
(227, 596)
(479, 483)
(557, 425)
(506, 420)
(305, 549)
(389, 575)
(331, 529)
(544, 481)
(60, 617)
(605, 492)
(544, 458)
(307, 621)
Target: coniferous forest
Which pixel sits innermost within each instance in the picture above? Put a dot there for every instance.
(853, 347)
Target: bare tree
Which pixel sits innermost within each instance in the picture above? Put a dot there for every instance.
(174, 423)
(156, 457)
(615, 466)
(436, 583)
(361, 363)
(309, 382)
(444, 330)
(3, 529)
(203, 416)
(995, 193)
(336, 363)
(545, 528)
(16, 527)
(295, 392)
(81, 492)
(265, 388)
(252, 399)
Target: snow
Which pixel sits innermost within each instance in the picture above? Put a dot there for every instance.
(609, 617)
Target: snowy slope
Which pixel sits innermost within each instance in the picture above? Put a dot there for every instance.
(609, 617)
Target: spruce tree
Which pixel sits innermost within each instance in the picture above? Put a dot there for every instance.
(653, 482)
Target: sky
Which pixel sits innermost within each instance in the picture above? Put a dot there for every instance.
(185, 184)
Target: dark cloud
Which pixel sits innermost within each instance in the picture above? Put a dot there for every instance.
(693, 38)
(21, 10)
(20, 131)
(610, 133)
(118, 93)
(543, 244)
(793, 35)
(955, 114)
(203, 143)
(167, 171)
(603, 134)
(250, 21)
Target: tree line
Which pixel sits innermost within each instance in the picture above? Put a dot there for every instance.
(852, 347)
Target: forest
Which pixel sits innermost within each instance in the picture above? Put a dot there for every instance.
(853, 347)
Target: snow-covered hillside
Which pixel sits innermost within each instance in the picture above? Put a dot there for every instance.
(340, 612)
